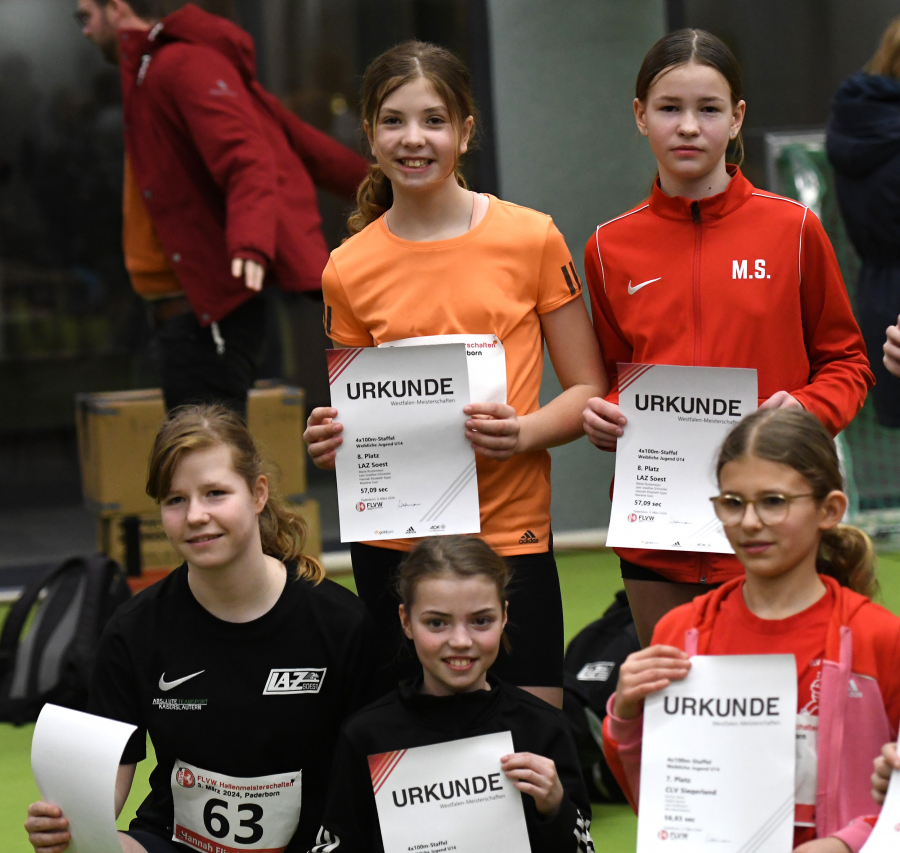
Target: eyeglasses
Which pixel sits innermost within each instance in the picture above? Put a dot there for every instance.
(770, 509)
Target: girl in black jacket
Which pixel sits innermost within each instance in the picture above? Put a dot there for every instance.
(453, 590)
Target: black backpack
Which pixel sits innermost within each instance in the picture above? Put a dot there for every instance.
(54, 660)
(590, 673)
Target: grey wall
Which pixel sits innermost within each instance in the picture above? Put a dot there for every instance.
(563, 76)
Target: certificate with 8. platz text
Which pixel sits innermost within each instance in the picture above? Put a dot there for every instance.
(405, 468)
(665, 462)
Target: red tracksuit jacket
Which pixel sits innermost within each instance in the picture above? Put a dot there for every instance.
(224, 169)
(741, 279)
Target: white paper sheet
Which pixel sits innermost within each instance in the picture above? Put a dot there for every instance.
(75, 760)
(718, 758)
(449, 797)
(885, 837)
(485, 357)
(405, 468)
(665, 462)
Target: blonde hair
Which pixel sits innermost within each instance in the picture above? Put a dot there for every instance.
(191, 428)
(796, 438)
(403, 64)
(886, 60)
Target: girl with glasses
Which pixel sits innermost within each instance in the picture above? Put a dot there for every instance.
(806, 592)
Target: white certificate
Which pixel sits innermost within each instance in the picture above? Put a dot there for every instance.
(718, 758)
(678, 418)
(485, 357)
(885, 837)
(405, 468)
(449, 797)
(75, 759)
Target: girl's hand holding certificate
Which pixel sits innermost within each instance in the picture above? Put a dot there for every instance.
(647, 672)
(492, 428)
(537, 776)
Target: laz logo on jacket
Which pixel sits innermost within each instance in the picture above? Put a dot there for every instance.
(739, 269)
(284, 681)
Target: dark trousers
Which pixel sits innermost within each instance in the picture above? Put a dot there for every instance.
(195, 367)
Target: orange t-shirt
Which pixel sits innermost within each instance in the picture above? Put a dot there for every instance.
(497, 278)
(148, 265)
(802, 635)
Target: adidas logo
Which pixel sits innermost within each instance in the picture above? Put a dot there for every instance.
(411, 529)
(676, 544)
(528, 538)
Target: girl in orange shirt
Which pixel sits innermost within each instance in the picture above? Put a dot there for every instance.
(427, 257)
(806, 593)
(711, 271)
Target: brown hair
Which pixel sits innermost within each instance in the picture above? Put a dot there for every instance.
(796, 438)
(394, 68)
(191, 428)
(682, 47)
(463, 556)
(146, 10)
(886, 60)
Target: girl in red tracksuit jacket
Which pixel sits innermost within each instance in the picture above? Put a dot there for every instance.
(710, 271)
(805, 593)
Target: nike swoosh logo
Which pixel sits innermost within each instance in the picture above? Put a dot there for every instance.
(168, 685)
(633, 290)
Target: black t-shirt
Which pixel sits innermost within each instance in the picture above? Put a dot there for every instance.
(407, 718)
(242, 700)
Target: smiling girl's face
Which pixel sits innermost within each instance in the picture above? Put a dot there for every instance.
(414, 139)
(210, 515)
(456, 624)
(689, 118)
(771, 551)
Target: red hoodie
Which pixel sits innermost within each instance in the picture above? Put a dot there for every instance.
(224, 169)
(741, 279)
(858, 704)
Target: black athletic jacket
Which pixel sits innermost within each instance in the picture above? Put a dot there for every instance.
(406, 718)
(864, 148)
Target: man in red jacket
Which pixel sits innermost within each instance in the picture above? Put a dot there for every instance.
(220, 184)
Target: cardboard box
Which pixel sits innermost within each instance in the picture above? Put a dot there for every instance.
(116, 431)
(115, 436)
(159, 557)
(277, 417)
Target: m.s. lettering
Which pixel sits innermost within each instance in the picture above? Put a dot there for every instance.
(404, 388)
(452, 790)
(689, 405)
(753, 706)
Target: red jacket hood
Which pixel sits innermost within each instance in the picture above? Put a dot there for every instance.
(706, 609)
(192, 25)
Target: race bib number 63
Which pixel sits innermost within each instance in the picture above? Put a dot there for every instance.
(215, 813)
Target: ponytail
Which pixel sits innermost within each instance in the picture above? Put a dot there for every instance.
(847, 555)
(189, 428)
(374, 196)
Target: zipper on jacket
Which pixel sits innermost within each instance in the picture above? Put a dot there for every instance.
(698, 244)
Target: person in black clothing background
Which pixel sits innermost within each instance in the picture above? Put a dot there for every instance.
(863, 145)
(242, 664)
(453, 593)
